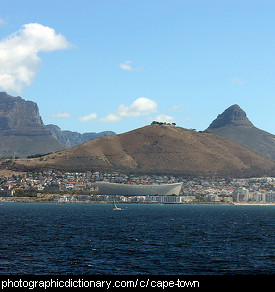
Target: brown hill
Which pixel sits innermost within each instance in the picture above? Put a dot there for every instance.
(158, 149)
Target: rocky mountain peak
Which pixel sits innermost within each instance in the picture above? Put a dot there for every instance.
(233, 115)
(17, 113)
(22, 131)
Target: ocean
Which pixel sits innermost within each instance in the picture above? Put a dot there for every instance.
(147, 239)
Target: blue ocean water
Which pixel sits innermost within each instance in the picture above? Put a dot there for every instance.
(84, 239)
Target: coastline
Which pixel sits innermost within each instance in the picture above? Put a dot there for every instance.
(49, 199)
(252, 203)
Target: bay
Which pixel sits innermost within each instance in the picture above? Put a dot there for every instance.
(93, 239)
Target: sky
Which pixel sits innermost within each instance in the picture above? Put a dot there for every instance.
(97, 65)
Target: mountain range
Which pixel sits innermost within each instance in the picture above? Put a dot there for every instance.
(158, 149)
(23, 133)
(71, 139)
(230, 147)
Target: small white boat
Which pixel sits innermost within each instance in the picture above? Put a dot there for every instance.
(115, 206)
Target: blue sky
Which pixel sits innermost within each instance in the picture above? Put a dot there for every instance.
(119, 64)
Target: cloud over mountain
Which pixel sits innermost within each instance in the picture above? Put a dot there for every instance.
(165, 118)
(140, 107)
(19, 54)
(59, 115)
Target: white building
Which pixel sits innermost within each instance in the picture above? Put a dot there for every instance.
(211, 198)
(240, 195)
(258, 197)
(164, 199)
(244, 195)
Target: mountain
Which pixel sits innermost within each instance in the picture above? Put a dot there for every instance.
(158, 149)
(233, 115)
(22, 131)
(71, 139)
(234, 125)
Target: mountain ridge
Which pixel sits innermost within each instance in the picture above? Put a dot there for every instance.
(158, 149)
(23, 133)
(71, 139)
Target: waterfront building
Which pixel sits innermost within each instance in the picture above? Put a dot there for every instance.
(236, 196)
(270, 197)
(211, 198)
(240, 195)
(164, 199)
(188, 199)
(244, 195)
(258, 197)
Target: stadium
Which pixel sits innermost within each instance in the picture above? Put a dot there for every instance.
(106, 188)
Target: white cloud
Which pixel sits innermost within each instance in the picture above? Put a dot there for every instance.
(88, 118)
(126, 66)
(165, 119)
(19, 54)
(236, 81)
(59, 115)
(140, 107)
(177, 108)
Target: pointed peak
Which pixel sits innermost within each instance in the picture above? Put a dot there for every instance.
(235, 107)
(233, 115)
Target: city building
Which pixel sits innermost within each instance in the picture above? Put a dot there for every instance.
(270, 197)
(211, 198)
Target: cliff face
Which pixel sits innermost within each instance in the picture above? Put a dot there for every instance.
(234, 125)
(71, 139)
(18, 114)
(22, 131)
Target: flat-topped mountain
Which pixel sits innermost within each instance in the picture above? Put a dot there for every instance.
(22, 131)
(158, 149)
(234, 125)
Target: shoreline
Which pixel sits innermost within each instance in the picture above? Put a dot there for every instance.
(48, 200)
